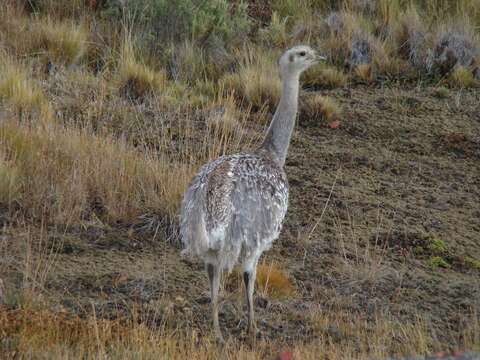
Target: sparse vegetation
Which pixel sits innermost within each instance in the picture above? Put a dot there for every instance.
(438, 261)
(441, 92)
(107, 108)
(435, 245)
(364, 73)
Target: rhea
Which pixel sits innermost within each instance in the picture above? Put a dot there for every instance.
(234, 207)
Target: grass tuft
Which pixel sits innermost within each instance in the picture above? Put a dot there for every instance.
(321, 107)
(273, 282)
(137, 79)
(322, 76)
(19, 90)
(462, 77)
(257, 79)
(364, 73)
(9, 183)
(441, 92)
(65, 42)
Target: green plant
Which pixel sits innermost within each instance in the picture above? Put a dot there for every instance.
(164, 20)
(435, 245)
(461, 77)
(437, 261)
(471, 262)
(441, 92)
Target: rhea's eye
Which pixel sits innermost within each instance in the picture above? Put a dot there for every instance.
(302, 53)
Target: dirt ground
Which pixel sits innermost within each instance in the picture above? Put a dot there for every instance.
(384, 220)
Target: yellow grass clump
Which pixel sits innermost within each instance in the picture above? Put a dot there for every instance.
(18, 89)
(364, 73)
(273, 281)
(137, 79)
(65, 42)
(223, 117)
(321, 107)
(257, 79)
(324, 76)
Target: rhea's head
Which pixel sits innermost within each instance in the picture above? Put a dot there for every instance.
(298, 59)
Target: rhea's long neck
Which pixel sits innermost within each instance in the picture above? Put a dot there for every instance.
(280, 130)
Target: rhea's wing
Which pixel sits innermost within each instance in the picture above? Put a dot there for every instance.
(192, 213)
(259, 201)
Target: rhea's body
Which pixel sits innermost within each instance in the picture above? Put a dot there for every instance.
(233, 209)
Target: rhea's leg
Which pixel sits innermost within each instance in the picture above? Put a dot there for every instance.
(214, 279)
(249, 275)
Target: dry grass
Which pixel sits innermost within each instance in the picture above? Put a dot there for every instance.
(324, 76)
(44, 334)
(137, 79)
(190, 63)
(272, 282)
(9, 183)
(373, 338)
(364, 73)
(65, 42)
(321, 107)
(62, 176)
(223, 117)
(109, 159)
(257, 80)
(62, 42)
(19, 90)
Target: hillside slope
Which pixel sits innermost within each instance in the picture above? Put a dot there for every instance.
(382, 226)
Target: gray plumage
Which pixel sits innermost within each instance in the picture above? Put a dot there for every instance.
(234, 207)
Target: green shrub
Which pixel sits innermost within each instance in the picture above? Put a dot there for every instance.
(165, 20)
